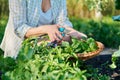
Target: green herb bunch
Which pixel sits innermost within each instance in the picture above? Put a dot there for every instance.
(46, 63)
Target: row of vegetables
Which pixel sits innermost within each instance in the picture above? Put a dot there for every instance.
(42, 62)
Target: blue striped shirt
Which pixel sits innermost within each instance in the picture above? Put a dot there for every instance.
(25, 14)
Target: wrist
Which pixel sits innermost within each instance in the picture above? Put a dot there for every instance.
(42, 29)
(69, 28)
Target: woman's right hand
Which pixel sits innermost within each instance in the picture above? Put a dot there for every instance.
(52, 31)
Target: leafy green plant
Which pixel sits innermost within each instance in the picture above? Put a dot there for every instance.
(2, 27)
(117, 4)
(7, 64)
(84, 46)
(96, 4)
(44, 62)
(4, 8)
(28, 49)
(102, 31)
(115, 57)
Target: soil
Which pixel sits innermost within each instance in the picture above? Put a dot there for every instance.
(102, 62)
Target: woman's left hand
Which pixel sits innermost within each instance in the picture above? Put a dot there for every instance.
(77, 34)
(73, 33)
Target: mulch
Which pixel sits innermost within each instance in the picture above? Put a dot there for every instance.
(102, 62)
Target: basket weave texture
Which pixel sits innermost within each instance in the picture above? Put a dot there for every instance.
(86, 56)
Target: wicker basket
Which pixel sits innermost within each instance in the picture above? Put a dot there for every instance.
(89, 55)
(84, 56)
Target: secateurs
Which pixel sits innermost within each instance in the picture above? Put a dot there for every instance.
(63, 32)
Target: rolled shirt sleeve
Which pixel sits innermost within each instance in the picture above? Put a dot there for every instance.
(18, 12)
(64, 8)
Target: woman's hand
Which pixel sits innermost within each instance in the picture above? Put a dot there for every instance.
(52, 31)
(74, 34)
(77, 34)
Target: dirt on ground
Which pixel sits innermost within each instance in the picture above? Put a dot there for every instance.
(102, 62)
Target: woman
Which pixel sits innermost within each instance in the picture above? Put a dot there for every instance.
(34, 17)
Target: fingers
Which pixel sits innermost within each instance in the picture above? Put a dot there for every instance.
(51, 37)
(58, 34)
(54, 33)
(55, 36)
(82, 36)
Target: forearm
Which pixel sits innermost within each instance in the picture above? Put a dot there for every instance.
(37, 31)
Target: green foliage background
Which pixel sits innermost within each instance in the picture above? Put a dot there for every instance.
(4, 8)
(76, 8)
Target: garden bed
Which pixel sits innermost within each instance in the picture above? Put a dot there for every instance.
(102, 62)
(97, 67)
